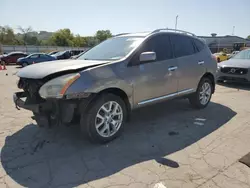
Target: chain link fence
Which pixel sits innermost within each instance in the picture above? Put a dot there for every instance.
(35, 49)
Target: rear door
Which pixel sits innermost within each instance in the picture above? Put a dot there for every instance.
(34, 58)
(190, 62)
(153, 81)
(42, 58)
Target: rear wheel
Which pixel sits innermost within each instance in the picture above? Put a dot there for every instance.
(24, 64)
(202, 96)
(104, 120)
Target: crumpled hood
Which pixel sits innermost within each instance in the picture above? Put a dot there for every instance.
(41, 70)
(241, 63)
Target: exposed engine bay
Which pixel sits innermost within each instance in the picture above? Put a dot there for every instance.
(48, 112)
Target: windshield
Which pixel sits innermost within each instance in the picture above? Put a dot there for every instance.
(112, 49)
(243, 55)
(52, 53)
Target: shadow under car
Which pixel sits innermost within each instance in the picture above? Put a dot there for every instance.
(35, 157)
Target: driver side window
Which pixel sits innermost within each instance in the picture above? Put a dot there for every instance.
(34, 56)
(160, 44)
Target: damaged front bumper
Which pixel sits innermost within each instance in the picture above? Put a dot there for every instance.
(47, 112)
(19, 100)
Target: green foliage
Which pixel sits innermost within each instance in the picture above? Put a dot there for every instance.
(102, 35)
(248, 37)
(62, 37)
(79, 41)
(91, 41)
(7, 35)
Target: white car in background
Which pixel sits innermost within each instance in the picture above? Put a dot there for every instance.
(233, 54)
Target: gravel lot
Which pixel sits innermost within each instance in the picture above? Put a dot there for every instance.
(168, 145)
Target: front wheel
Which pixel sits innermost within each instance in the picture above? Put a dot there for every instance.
(104, 120)
(202, 96)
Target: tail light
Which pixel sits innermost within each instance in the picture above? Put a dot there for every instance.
(214, 57)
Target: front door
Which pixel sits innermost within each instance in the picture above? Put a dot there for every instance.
(156, 80)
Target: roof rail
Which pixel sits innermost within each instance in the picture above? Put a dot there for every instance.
(121, 34)
(174, 30)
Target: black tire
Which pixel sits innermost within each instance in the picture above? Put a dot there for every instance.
(87, 121)
(195, 98)
(25, 64)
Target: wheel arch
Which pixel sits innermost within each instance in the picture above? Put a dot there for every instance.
(115, 91)
(120, 93)
(211, 77)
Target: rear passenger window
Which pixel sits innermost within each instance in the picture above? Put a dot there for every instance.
(160, 44)
(182, 45)
(199, 45)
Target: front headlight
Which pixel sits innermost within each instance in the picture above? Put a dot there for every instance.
(56, 87)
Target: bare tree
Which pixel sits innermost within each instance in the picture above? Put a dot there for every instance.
(25, 32)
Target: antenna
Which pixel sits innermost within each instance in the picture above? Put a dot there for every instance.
(233, 30)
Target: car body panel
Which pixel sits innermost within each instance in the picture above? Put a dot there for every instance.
(151, 80)
(107, 76)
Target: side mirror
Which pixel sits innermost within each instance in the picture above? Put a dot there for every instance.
(147, 56)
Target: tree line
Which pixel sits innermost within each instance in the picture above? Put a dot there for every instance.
(62, 37)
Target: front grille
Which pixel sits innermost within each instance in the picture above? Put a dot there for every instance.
(234, 70)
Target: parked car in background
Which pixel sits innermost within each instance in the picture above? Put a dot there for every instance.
(76, 56)
(62, 55)
(233, 54)
(75, 52)
(12, 57)
(235, 69)
(221, 56)
(52, 53)
(67, 54)
(34, 58)
(123, 73)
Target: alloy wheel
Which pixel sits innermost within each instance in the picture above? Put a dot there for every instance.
(205, 93)
(109, 119)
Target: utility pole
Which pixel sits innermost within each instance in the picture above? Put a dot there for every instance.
(233, 30)
(176, 21)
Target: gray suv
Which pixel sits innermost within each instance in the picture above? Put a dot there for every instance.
(128, 71)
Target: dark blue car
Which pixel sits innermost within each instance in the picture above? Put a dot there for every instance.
(34, 58)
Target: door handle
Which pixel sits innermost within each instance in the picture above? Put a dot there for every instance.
(201, 62)
(172, 68)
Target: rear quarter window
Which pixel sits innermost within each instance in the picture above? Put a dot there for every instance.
(182, 45)
(199, 45)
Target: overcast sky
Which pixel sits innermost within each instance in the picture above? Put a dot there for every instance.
(85, 17)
